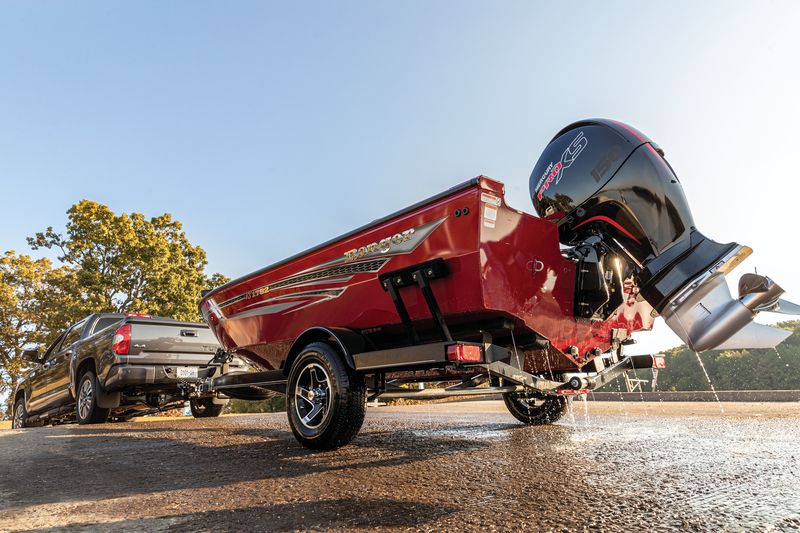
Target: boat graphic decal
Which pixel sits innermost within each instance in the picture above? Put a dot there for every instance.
(286, 302)
(330, 274)
(405, 246)
(338, 270)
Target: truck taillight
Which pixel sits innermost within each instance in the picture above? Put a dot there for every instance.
(468, 354)
(122, 341)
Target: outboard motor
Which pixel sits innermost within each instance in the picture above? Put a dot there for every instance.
(623, 217)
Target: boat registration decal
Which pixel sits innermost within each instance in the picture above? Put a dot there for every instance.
(490, 199)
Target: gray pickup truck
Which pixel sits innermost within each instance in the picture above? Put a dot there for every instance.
(113, 367)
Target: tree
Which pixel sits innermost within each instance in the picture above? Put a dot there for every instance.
(761, 369)
(276, 404)
(121, 263)
(27, 299)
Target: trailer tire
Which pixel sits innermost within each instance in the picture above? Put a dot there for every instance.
(325, 399)
(205, 408)
(534, 410)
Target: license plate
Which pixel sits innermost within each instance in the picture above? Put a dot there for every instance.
(187, 372)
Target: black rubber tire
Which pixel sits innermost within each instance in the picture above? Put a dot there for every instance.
(534, 410)
(19, 416)
(86, 409)
(122, 419)
(321, 384)
(205, 408)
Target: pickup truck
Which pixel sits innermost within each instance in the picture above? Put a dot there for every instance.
(114, 367)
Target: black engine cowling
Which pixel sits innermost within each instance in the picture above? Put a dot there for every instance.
(606, 179)
(623, 217)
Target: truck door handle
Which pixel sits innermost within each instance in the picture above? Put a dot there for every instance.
(189, 333)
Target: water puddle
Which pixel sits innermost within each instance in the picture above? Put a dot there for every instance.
(485, 434)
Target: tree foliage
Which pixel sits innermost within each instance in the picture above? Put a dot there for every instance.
(122, 263)
(276, 404)
(29, 297)
(111, 263)
(764, 369)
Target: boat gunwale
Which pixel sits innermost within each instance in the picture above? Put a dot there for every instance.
(458, 188)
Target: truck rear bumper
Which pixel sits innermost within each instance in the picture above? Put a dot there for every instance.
(121, 376)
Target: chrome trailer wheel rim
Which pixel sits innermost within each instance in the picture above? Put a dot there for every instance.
(19, 417)
(85, 399)
(529, 404)
(312, 399)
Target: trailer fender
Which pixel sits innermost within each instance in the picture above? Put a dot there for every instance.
(350, 342)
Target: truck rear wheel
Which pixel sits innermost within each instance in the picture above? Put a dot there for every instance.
(18, 421)
(205, 408)
(86, 408)
(534, 410)
(325, 399)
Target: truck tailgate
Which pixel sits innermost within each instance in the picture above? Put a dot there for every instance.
(169, 342)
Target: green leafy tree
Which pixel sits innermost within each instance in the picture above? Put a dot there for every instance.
(28, 298)
(276, 404)
(761, 369)
(122, 263)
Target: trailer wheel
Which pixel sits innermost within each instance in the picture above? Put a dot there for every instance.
(325, 399)
(534, 410)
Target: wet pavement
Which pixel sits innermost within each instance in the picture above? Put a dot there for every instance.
(447, 467)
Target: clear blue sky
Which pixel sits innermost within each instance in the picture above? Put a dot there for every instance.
(269, 127)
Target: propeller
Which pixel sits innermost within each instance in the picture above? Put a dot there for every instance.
(786, 308)
(707, 317)
(759, 293)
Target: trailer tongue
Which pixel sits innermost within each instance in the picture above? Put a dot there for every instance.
(461, 289)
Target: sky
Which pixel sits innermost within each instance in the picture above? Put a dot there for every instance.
(266, 128)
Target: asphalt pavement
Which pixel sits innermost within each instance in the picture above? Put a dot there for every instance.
(456, 466)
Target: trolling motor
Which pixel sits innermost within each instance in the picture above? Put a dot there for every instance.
(623, 217)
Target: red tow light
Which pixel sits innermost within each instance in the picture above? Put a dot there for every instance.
(467, 354)
(122, 341)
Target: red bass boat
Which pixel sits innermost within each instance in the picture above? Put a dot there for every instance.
(461, 289)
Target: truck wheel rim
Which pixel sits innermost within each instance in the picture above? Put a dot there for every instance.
(19, 414)
(85, 399)
(312, 396)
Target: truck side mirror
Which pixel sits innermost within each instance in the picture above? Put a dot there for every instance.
(31, 355)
